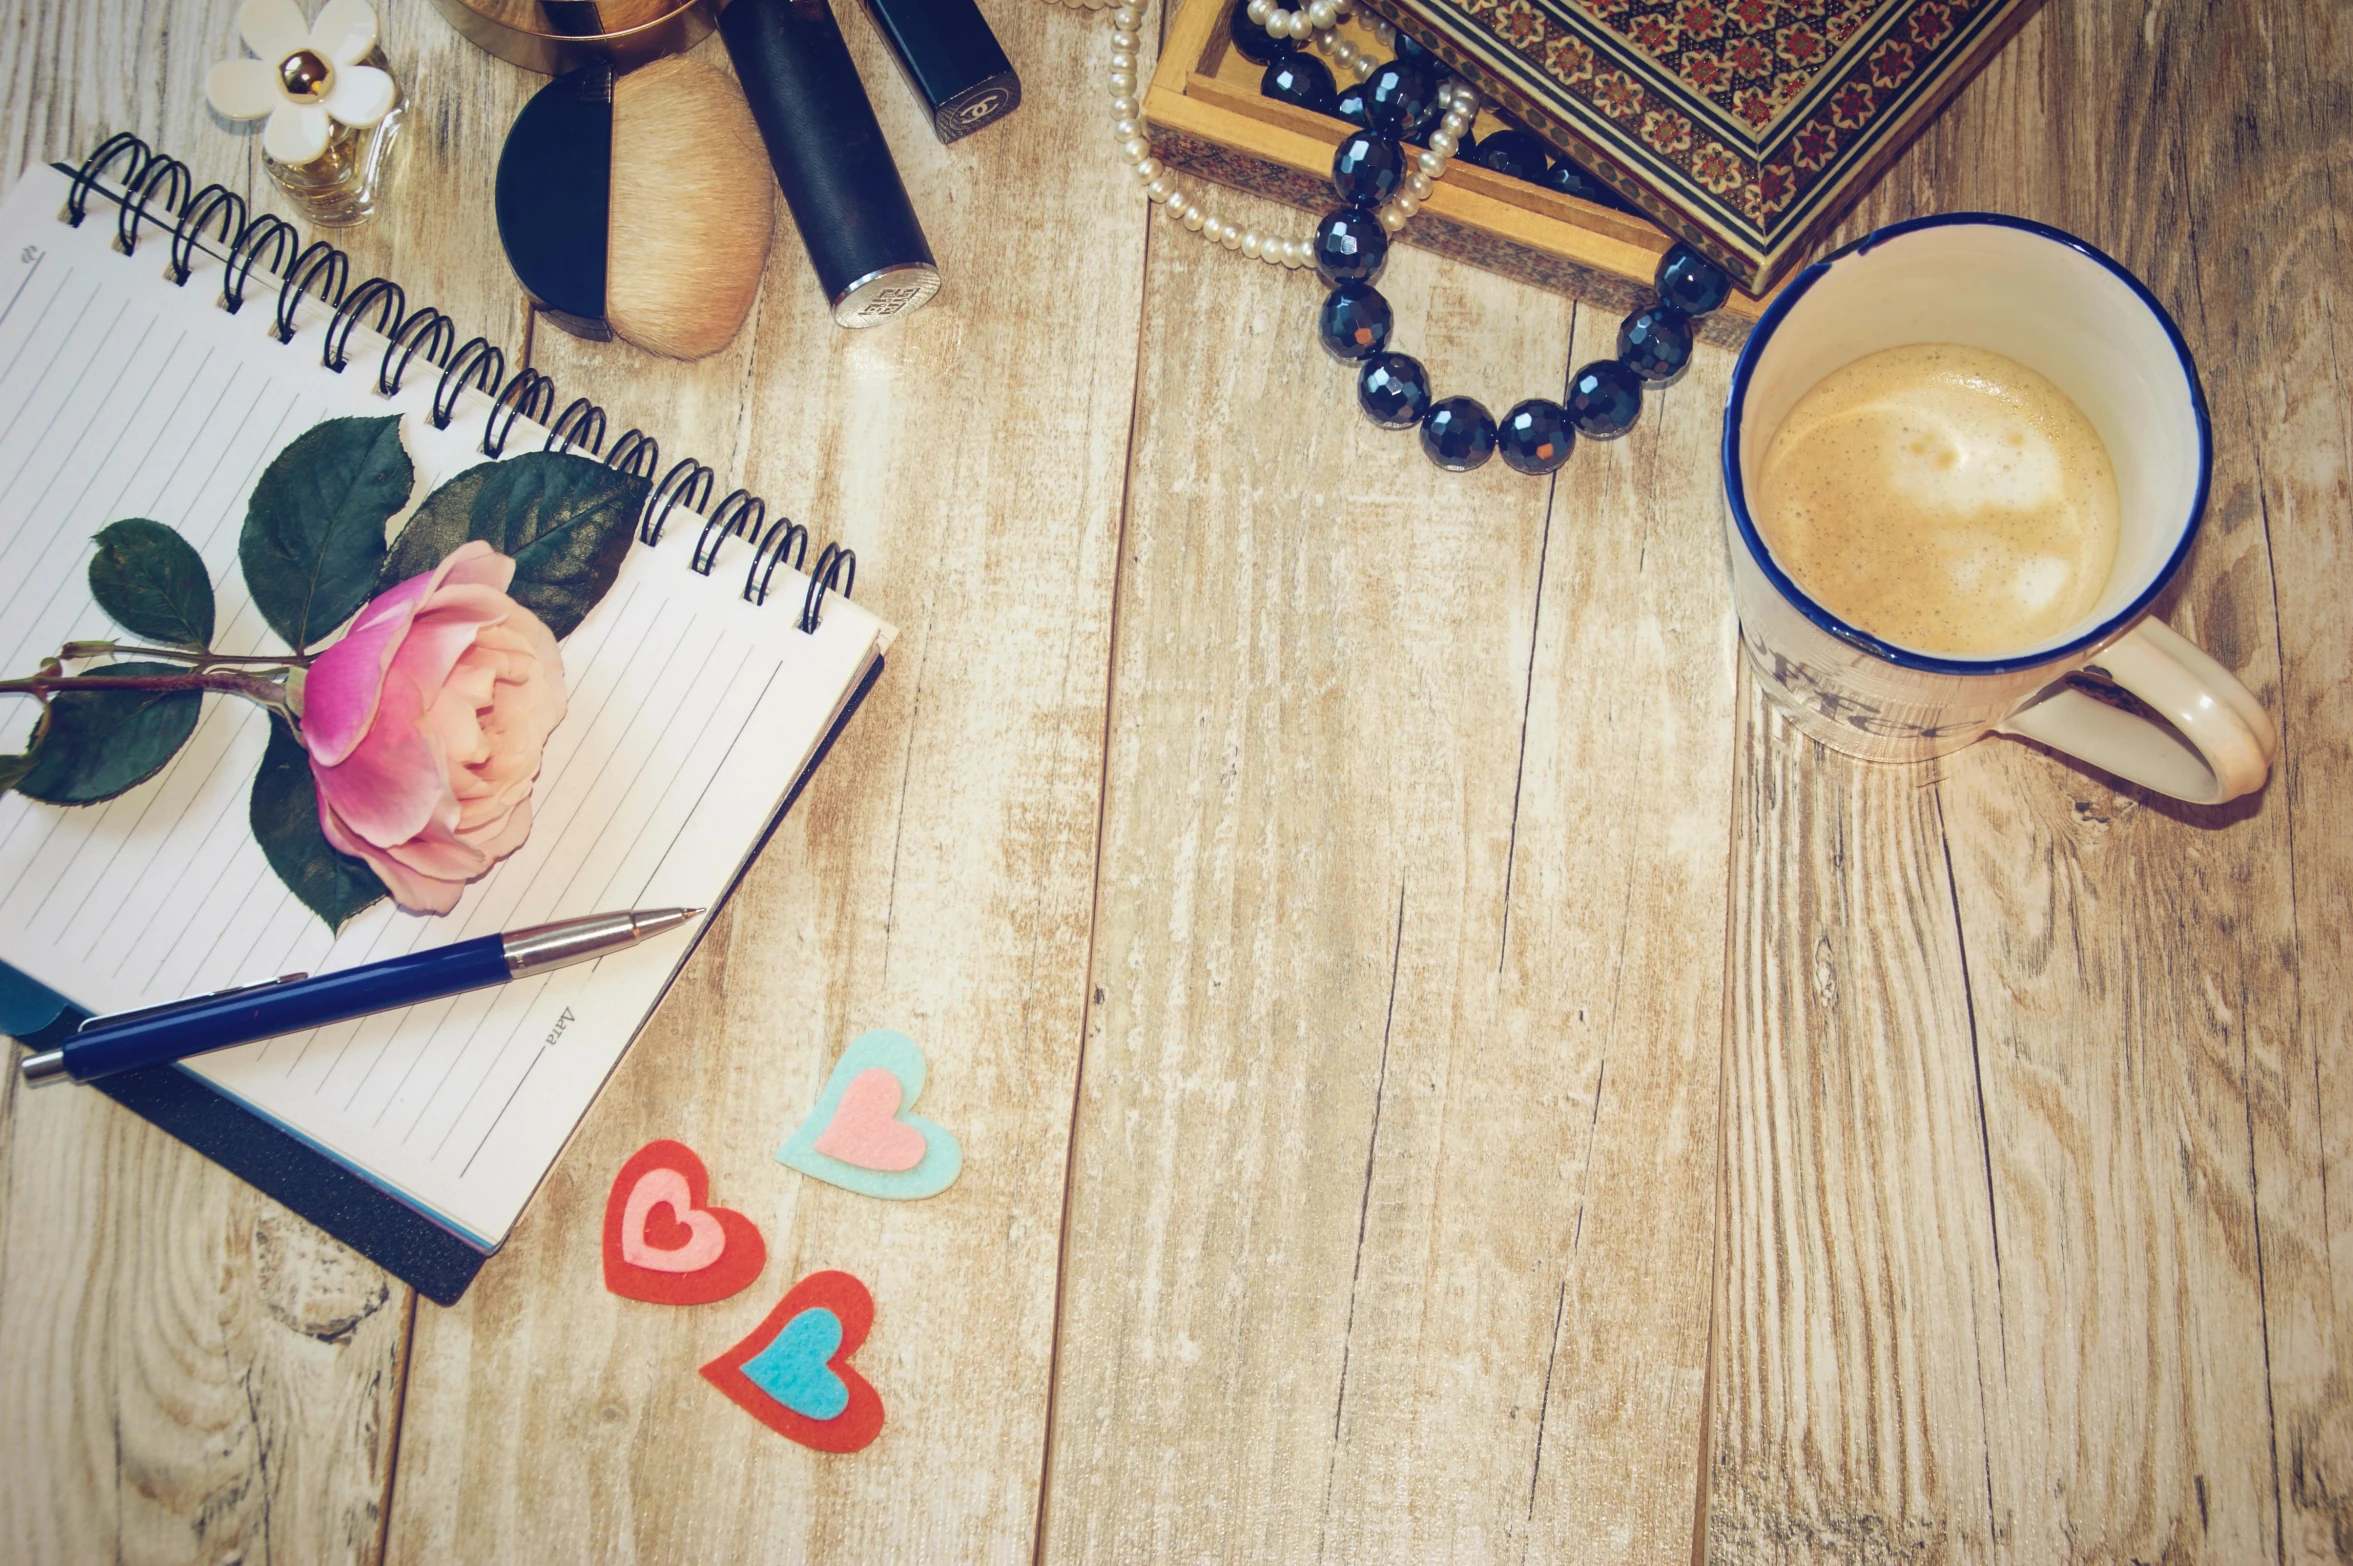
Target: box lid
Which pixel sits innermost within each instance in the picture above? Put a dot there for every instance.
(1744, 126)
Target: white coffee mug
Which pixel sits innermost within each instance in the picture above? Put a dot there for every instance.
(2049, 301)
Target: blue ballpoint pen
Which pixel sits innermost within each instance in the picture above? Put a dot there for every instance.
(155, 1035)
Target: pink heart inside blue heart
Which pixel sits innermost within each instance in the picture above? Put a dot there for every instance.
(792, 1368)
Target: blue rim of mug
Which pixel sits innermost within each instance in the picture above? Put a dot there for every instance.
(1735, 492)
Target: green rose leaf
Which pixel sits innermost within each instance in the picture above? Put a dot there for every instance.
(102, 743)
(314, 531)
(14, 768)
(151, 580)
(285, 817)
(565, 519)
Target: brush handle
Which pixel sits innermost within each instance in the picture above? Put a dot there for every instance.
(836, 170)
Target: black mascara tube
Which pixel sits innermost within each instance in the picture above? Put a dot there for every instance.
(844, 191)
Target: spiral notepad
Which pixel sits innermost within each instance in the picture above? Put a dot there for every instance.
(156, 351)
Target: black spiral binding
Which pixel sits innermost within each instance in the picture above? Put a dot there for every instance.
(158, 190)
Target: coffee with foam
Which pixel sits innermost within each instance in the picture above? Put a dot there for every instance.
(1944, 498)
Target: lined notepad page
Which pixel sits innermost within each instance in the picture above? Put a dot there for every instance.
(691, 714)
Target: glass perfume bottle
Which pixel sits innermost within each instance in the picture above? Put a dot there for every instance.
(328, 94)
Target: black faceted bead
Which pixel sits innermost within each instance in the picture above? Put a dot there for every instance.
(1393, 390)
(1350, 106)
(1302, 81)
(1458, 434)
(1605, 398)
(1354, 321)
(1655, 343)
(1254, 42)
(1350, 246)
(1407, 49)
(1401, 99)
(1535, 437)
(1367, 168)
(1691, 282)
(1572, 179)
(1513, 152)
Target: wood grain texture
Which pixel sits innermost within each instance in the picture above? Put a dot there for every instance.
(1443, 954)
(2087, 1310)
(191, 1372)
(1401, 1070)
(936, 878)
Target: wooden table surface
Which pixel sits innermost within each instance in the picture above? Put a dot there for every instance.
(1444, 1074)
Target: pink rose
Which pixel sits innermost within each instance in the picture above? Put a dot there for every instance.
(425, 726)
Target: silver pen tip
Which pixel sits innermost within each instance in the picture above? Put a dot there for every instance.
(653, 921)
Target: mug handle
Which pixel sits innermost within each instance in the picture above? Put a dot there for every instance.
(2230, 740)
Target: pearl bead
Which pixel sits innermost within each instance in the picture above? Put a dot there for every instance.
(1419, 185)
(1455, 123)
(1135, 149)
(1432, 164)
(1123, 40)
(1390, 220)
(1123, 108)
(1250, 243)
(1231, 238)
(1149, 170)
(1123, 62)
(1364, 67)
(1160, 190)
(1323, 13)
(1125, 130)
(1260, 10)
(1127, 18)
(1343, 53)
(1444, 142)
(1405, 207)
(1301, 26)
(1123, 82)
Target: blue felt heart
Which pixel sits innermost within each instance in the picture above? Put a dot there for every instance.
(792, 1368)
(883, 1049)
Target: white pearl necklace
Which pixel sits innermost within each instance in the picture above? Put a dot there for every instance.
(1318, 19)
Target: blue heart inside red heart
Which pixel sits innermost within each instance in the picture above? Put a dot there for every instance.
(792, 1367)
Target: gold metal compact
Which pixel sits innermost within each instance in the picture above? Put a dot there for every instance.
(554, 36)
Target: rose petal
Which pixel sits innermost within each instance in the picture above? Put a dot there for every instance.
(361, 96)
(339, 694)
(272, 29)
(345, 31)
(242, 89)
(391, 788)
(416, 893)
(295, 135)
(475, 564)
(339, 699)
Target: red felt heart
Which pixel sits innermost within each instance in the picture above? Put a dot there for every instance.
(663, 1244)
(858, 1423)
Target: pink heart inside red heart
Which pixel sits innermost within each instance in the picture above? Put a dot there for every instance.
(662, 1228)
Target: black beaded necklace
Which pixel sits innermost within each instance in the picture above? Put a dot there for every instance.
(1398, 104)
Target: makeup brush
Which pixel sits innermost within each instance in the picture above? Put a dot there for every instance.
(639, 206)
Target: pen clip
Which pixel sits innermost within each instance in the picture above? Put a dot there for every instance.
(117, 1018)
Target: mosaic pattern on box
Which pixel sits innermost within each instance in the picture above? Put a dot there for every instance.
(1751, 116)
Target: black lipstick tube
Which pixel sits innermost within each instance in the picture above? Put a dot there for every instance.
(953, 61)
(836, 171)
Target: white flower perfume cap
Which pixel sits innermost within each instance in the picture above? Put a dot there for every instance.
(307, 75)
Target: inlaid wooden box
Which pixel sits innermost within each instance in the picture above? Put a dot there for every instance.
(1206, 117)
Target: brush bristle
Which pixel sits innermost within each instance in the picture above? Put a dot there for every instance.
(693, 203)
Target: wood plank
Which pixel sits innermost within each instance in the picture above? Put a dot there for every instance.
(191, 1372)
(2148, 1229)
(936, 877)
(2297, 421)
(1393, 1181)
